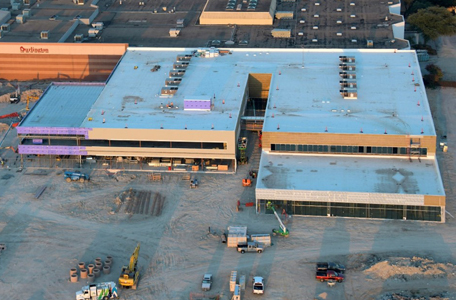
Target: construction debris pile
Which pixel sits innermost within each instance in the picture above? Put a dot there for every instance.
(405, 268)
(89, 272)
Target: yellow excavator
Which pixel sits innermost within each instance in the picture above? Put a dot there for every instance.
(129, 276)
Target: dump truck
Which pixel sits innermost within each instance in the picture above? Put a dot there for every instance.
(96, 291)
(250, 247)
(75, 176)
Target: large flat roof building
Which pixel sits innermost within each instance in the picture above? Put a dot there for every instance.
(347, 131)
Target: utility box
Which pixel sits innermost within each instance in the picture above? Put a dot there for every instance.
(78, 38)
(5, 27)
(27, 12)
(236, 235)
(233, 279)
(281, 33)
(264, 239)
(44, 35)
(16, 5)
(174, 32)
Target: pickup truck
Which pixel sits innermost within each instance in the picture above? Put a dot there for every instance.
(207, 282)
(329, 275)
(250, 247)
(323, 266)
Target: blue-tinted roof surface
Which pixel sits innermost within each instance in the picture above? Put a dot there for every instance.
(63, 105)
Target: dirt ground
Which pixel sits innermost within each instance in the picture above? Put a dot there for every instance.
(179, 230)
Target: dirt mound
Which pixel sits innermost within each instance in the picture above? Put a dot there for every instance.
(409, 268)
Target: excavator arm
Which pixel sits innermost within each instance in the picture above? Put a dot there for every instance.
(134, 259)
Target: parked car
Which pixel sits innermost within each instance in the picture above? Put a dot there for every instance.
(258, 285)
(207, 282)
(329, 275)
(323, 266)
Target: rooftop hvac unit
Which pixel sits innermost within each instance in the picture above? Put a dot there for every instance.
(93, 32)
(353, 28)
(44, 35)
(314, 40)
(173, 81)
(349, 94)
(339, 21)
(302, 21)
(339, 9)
(347, 67)
(354, 41)
(345, 59)
(98, 25)
(169, 91)
(352, 16)
(183, 57)
(348, 84)
(352, 3)
(27, 12)
(80, 2)
(347, 75)
(28, 2)
(180, 23)
(78, 38)
(300, 33)
(317, 3)
(20, 19)
(16, 5)
(180, 65)
(339, 34)
(315, 27)
(5, 27)
(174, 32)
(316, 16)
(370, 43)
(1, 33)
(239, 7)
(176, 73)
(303, 9)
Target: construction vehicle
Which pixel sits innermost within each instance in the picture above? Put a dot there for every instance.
(194, 184)
(27, 105)
(96, 291)
(242, 147)
(283, 231)
(75, 176)
(15, 98)
(129, 276)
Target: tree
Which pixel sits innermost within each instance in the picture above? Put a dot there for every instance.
(433, 22)
(435, 75)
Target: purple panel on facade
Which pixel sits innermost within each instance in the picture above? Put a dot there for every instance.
(197, 104)
(54, 130)
(52, 150)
